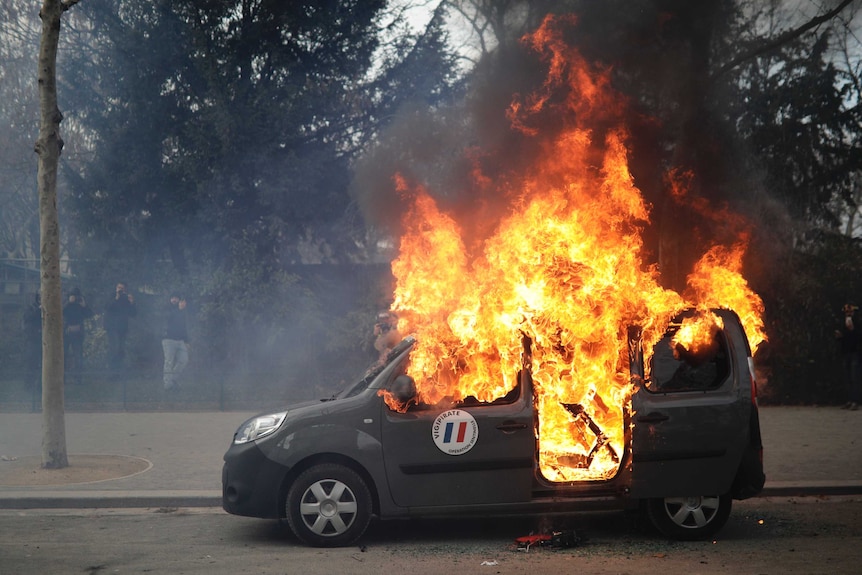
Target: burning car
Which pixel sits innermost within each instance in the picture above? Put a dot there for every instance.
(685, 443)
(558, 362)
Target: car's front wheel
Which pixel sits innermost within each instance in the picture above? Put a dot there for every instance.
(328, 505)
(689, 518)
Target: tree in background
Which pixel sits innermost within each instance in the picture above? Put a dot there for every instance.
(221, 138)
(745, 105)
(848, 46)
(48, 147)
(218, 143)
(19, 217)
(799, 162)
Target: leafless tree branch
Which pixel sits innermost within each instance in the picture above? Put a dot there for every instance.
(782, 39)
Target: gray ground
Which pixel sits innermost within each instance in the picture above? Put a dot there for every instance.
(810, 535)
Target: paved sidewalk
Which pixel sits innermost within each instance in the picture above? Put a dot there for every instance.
(807, 450)
(185, 450)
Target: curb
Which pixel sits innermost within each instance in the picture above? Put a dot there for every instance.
(107, 499)
(30, 499)
(810, 488)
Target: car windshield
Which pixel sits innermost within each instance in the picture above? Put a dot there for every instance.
(375, 369)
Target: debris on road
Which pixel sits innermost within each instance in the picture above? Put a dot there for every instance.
(556, 540)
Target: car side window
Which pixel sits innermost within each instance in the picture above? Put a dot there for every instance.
(403, 396)
(671, 370)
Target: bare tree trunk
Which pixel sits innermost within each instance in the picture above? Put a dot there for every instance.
(48, 147)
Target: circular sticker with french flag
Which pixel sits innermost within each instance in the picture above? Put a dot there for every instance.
(455, 432)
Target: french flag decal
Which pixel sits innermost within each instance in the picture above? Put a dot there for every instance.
(455, 432)
(462, 430)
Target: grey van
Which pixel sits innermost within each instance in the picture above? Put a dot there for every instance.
(330, 466)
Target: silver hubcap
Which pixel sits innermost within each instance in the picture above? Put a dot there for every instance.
(691, 512)
(328, 507)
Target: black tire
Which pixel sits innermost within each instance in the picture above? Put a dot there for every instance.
(689, 518)
(329, 505)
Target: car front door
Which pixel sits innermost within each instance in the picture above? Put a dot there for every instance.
(690, 422)
(477, 454)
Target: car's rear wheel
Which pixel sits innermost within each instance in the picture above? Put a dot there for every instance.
(689, 518)
(328, 505)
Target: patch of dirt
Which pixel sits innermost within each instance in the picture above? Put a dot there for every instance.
(28, 471)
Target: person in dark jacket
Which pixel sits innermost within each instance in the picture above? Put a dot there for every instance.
(75, 313)
(31, 323)
(175, 342)
(117, 314)
(849, 335)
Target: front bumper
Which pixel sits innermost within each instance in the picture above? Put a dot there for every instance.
(252, 483)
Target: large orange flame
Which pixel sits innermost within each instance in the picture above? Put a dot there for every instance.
(565, 268)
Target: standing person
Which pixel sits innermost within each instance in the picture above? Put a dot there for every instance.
(175, 342)
(386, 334)
(31, 323)
(850, 338)
(117, 314)
(75, 313)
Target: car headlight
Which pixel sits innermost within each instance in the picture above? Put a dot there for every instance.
(258, 427)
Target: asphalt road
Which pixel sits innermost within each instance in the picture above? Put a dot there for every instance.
(809, 535)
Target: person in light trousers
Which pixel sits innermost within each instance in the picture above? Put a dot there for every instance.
(176, 342)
